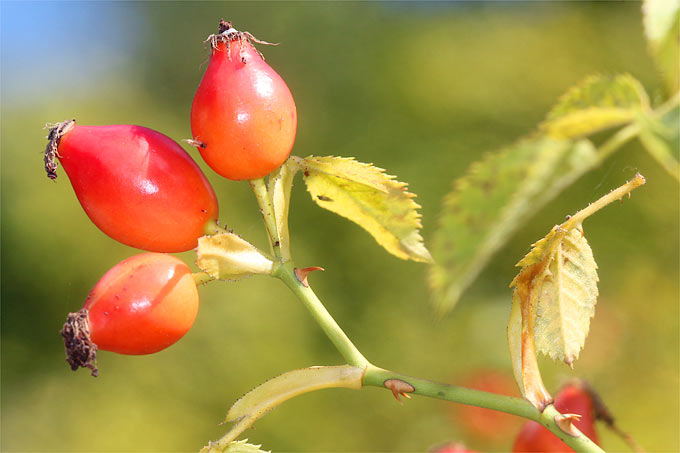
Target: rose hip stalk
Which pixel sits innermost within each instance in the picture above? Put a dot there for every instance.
(137, 185)
(140, 306)
(243, 117)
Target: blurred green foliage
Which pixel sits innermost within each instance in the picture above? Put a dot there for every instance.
(421, 89)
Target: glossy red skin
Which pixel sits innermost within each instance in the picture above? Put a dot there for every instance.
(142, 305)
(138, 186)
(571, 400)
(243, 113)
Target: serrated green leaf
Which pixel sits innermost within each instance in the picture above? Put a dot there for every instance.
(662, 26)
(276, 391)
(661, 138)
(370, 198)
(567, 293)
(237, 446)
(226, 256)
(597, 103)
(554, 298)
(496, 197)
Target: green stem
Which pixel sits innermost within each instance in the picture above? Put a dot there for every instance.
(286, 273)
(616, 194)
(376, 377)
(267, 210)
(616, 141)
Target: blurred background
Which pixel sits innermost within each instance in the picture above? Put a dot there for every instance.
(421, 89)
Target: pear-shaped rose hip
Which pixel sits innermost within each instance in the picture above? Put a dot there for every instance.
(137, 185)
(243, 117)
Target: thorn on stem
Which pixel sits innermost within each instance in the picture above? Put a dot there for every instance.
(566, 423)
(302, 274)
(399, 387)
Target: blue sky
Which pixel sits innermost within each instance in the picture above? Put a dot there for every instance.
(51, 45)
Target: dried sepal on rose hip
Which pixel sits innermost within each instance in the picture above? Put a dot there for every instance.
(243, 116)
(140, 306)
(137, 185)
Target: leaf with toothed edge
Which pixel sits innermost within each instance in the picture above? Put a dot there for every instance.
(496, 197)
(598, 103)
(370, 198)
(237, 446)
(568, 294)
(554, 298)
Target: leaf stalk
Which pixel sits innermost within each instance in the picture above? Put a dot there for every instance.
(286, 273)
(267, 210)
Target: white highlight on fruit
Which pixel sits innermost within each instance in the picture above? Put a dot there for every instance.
(148, 187)
(264, 85)
(242, 117)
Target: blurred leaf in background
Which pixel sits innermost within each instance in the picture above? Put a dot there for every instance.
(421, 89)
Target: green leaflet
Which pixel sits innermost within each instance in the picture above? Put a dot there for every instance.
(567, 293)
(597, 103)
(276, 391)
(554, 298)
(552, 303)
(226, 256)
(237, 446)
(367, 196)
(661, 138)
(661, 19)
(496, 197)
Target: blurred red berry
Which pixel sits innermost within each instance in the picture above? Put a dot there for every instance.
(483, 423)
(572, 399)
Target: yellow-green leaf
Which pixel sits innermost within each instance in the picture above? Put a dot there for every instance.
(597, 103)
(662, 26)
(661, 137)
(496, 197)
(567, 293)
(267, 396)
(227, 256)
(237, 446)
(372, 199)
(554, 298)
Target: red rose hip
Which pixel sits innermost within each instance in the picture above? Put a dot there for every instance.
(243, 117)
(572, 399)
(140, 306)
(137, 185)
